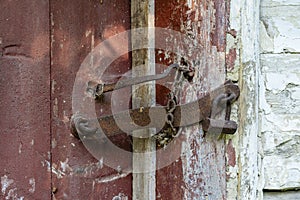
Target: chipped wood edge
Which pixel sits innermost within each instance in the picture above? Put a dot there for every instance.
(244, 174)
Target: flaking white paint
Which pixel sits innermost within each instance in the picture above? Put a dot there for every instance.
(65, 166)
(32, 184)
(279, 97)
(244, 178)
(5, 183)
(120, 196)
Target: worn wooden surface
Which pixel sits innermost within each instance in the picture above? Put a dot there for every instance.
(143, 95)
(43, 92)
(200, 172)
(76, 28)
(243, 44)
(24, 102)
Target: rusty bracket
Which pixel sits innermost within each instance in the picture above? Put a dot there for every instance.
(201, 110)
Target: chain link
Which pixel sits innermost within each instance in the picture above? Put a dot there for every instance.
(169, 132)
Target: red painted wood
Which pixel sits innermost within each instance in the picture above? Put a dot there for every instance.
(77, 26)
(36, 102)
(200, 171)
(25, 100)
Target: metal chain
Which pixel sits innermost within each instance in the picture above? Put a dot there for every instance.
(173, 98)
(170, 132)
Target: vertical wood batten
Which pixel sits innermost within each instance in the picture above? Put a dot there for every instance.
(143, 63)
(244, 178)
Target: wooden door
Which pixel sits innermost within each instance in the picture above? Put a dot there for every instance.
(43, 44)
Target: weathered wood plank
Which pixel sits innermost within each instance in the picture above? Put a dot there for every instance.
(243, 40)
(200, 172)
(24, 102)
(77, 26)
(144, 165)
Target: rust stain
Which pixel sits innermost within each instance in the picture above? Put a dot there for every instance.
(218, 30)
(230, 59)
(231, 154)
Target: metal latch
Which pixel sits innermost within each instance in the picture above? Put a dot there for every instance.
(174, 116)
(96, 90)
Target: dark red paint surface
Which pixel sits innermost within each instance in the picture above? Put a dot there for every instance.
(25, 100)
(76, 27)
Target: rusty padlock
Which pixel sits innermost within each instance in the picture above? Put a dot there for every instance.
(218, 126)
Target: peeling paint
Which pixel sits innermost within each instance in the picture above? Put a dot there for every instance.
(54, 169)
(191, 168)
(230, 59)
(279, 110)
(5, 183)
(242, 148)
(120, 196)
(32, 184)
(53, 143)
(282, 26)
(110, 178)
(12, 193)
(90, 170)
(20, 148)
(231, 154)
(201, 160)
(65, 166)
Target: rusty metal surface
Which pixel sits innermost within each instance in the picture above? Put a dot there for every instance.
(25, 100)
(76, 27)
(201, 168)
(98, 89)
(155, 117)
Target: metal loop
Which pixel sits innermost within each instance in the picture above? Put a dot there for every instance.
(171, 105)
(230, 98)
(228, 112)
(218, 100)
(83, 125)
(170, 119)
(215, 108)
(177, 132)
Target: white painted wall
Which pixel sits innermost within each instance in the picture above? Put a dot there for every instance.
(280, 97)
(267, 144)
